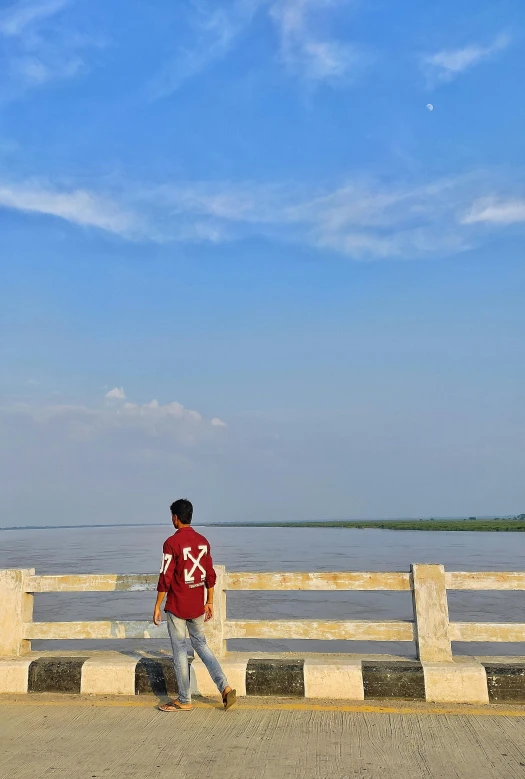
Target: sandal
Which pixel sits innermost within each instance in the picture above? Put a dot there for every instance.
(229, 699)
(172, 706)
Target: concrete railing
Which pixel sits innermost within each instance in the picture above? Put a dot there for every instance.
(430, 628)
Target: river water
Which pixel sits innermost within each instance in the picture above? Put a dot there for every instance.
(138, 550)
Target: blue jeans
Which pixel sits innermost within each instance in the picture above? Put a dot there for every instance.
(177, 631)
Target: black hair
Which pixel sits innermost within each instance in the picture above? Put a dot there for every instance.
(182, 509)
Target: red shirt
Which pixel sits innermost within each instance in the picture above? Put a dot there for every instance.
(186, 571)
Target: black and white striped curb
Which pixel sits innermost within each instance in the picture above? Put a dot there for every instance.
(463, 681)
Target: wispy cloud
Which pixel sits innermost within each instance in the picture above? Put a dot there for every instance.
(216, 28)
(77, 206)
(33, 71)
(497, 212)
(362, 219)
(369, 220)
(37, 48)
(446, 64)
(304, 50)
(17, 18)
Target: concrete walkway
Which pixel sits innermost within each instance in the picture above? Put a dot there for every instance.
(48, 736)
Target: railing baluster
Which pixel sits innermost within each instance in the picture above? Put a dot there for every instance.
(16, 608)
(431, 613)
(215, 628)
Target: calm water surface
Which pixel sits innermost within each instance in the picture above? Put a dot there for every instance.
(138, 550)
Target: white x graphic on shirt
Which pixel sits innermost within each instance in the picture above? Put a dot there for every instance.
(189, 576)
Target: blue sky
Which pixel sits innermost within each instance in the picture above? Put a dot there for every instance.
(266, 254)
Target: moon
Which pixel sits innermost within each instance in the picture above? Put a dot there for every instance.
(429, 106)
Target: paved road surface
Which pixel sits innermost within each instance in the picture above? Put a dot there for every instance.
(78, 739)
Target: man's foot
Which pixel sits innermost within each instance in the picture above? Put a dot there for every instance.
(229, 697)
(175, 706)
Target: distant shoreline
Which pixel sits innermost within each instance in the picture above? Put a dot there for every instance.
(516, 525)
(510, 525)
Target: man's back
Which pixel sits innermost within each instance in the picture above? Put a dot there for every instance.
(186, 572)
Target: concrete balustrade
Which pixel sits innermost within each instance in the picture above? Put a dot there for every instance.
(442, 677)
(430, 629)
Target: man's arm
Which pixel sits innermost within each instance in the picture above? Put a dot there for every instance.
(208, 608)
(167, 568)
(157, 614)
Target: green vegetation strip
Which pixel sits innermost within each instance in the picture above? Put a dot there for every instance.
(487, 525)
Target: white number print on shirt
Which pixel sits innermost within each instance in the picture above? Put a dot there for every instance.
(165, 562)
(189, 575)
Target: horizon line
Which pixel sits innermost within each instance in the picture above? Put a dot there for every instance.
(256, 523)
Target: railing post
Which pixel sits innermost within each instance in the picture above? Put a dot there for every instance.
(16, 608)
(215, 628)
(429, 595)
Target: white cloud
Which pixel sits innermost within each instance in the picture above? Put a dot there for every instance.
(117, 393)
(155, 409)
(362, 219)
(153, 419)
(216, 28)
(17, 18)
(38, 48)
(34, 72)
(77, 206)
(502, 212)
(304, 50)
(445, 65)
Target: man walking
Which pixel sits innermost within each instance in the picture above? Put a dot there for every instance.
(186, 577)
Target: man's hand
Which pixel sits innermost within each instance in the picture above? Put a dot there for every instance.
(157, 616)
(208, 612)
